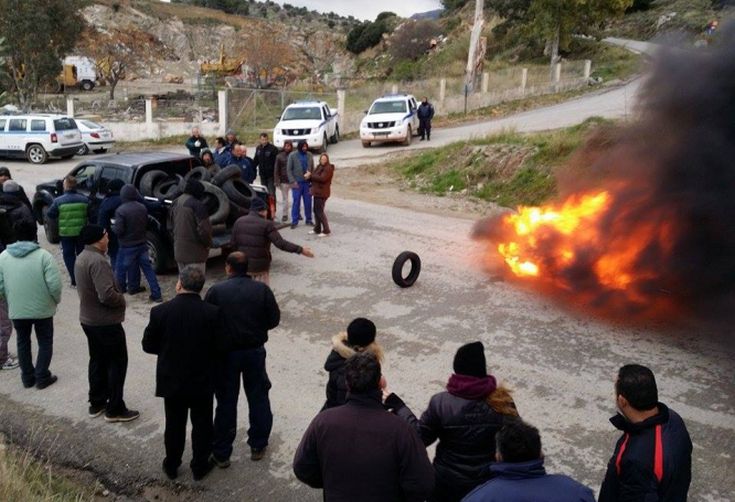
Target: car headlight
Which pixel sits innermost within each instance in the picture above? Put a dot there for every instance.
(315, 130)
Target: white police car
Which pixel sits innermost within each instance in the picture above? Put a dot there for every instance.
(312, 121)
(39, 136)
(390, 118)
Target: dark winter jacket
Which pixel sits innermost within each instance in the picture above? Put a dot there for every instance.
(192, 230)
(528, 482)
(636, 473)
(465, 425)
(71, 211)
(131, 218)
(222, 158)
(265, 161)
(194, 150)
(280, 174)
(248, 310)
(247, 169)
(15, 212)
(252, 234)
(425, 111)
(186, 334)
(321, 180)
(105, 215)
(359, 452)
(20, 194)
(101, 303)
(335, 366)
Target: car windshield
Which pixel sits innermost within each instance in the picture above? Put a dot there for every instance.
(64, 124)
(90, 125)
(302, 113)
(388, 107)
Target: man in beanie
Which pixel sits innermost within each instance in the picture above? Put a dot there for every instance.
(30, 283)
(21, 194)
(101, 313)
(248, 310)
(254, 233)
(519, 474)
(131, 221)
(191, 227)
(70, 209)
(465, 419)
(358, 452)
(360, 337)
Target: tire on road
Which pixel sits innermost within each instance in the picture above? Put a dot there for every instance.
(238, 191)
(231, 171)
(36, 154)
(325, 144)
(410, 279)
(223, 203)
(150, 180)
(409, 137)
(366, 144)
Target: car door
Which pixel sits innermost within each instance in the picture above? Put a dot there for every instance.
(413, 109)
(329, 126)
(105, 175)
(17, 134)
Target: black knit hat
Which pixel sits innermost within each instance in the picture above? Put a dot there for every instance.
(194, 188)
(470, 360)
(91, 234)
(257, 204)
(360, 332)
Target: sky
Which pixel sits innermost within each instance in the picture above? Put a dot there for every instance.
(367, 9)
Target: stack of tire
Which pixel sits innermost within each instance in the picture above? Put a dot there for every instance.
(227, 196)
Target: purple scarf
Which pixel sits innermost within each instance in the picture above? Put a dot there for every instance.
(469, 387)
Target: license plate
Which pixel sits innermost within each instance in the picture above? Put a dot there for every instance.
(380, 134)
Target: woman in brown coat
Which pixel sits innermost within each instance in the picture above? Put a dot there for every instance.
(321, 181)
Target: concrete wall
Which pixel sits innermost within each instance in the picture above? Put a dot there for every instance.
(139, 131)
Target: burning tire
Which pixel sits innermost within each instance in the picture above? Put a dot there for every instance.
(410, 279)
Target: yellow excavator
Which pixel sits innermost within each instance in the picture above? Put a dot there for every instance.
(224, 67)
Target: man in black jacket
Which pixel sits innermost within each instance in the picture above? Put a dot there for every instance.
(21, 194)
(249, 310)
(425, 113)
(358, 451)
(653, 459)
(265, 162)
(185, 334)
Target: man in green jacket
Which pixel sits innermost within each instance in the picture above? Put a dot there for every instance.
(30, 282)
(70, 209)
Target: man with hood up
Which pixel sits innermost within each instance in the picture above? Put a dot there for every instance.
(131, 220)
(191, 226)
(31, 284)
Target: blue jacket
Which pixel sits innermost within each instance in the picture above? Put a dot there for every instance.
(222, 158)
(106, 213)
(247, 167)
(528, 482)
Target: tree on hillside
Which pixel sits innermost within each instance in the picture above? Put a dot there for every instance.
(267, 57)
(369, 34)
(412, 39)
(37, 38)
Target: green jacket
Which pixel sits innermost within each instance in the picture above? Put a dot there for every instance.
(29, 281)
(71, 211)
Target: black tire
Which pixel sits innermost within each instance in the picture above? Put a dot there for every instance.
(50, 227)
(87, 85)
(238, 191)
(168, 189)
(335, 138)
(157, 252)
(325, 144)
(409, 137)
(198, 173)
(36, 154)
(101, 150)
(150, 180)
(231, 171)
(223, 203)
(83, 150)
(366, 144)
(406, 282)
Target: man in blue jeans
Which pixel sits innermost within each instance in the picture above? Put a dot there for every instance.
(70, 209)
(248, 310)
(299, 168)
(131, 220)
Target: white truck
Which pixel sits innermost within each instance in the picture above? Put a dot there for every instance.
(312, 121)
(78, 71)
(391, 118)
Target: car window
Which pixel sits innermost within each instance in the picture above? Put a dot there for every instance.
(110, 173)
(85, 176)
(38, 125)
(302, 113)
(2, 124)
(64, 124)
(17, 125)
(388, 107)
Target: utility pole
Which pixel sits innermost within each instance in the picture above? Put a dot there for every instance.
(478, 45)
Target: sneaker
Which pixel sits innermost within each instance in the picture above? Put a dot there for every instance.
(126, 416)
(201, 474)
(312, 232)
(156, 300)
(257, 453)
(96, 410)
(222, 464)
(10, 364)
(171, 473)
(323, 235)
(51, 380)
(139, 289)
(284, 219)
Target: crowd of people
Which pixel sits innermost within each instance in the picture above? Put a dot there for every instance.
(365, 444)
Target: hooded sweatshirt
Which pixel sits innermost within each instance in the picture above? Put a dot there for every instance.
(131, 218)
(29, 281)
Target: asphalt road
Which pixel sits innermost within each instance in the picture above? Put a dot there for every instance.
(560, 363)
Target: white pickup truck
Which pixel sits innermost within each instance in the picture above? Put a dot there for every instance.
(312, 121)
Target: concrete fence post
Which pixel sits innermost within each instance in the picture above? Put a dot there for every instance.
(442, 90)
(148, 111)
(222, 111)
(587, 69)
(524, 79)
(70, 106)
(485, 82)
(341, 98)
(557, 73)
(394, 89)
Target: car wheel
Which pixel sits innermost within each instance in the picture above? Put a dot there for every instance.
(335, 138)
(366, 144)
(413, 274)
(409, 136)
(325, 143)
(83, 150)
(157, 252)
(87, 85)
(50, 227)
(36, 154)
(101, 150)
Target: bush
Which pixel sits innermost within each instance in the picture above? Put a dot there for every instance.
(366, 35)
(412, 39)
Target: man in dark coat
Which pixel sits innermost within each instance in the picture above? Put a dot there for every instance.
(5, 176)
(15, 211)
(519, 475)
(191, 227)
(248, 310)
(653, 459)
(265, 162)
(253, 234)
(184, 333)
(105, 215)
(240, 158)
(196, 143)
(280, 176)
(359, 452)
(425, 114)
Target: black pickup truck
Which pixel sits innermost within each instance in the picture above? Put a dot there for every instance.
(95, 174)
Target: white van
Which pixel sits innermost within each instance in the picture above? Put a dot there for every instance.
(39, 136)
(312, 121)
(390, 118)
